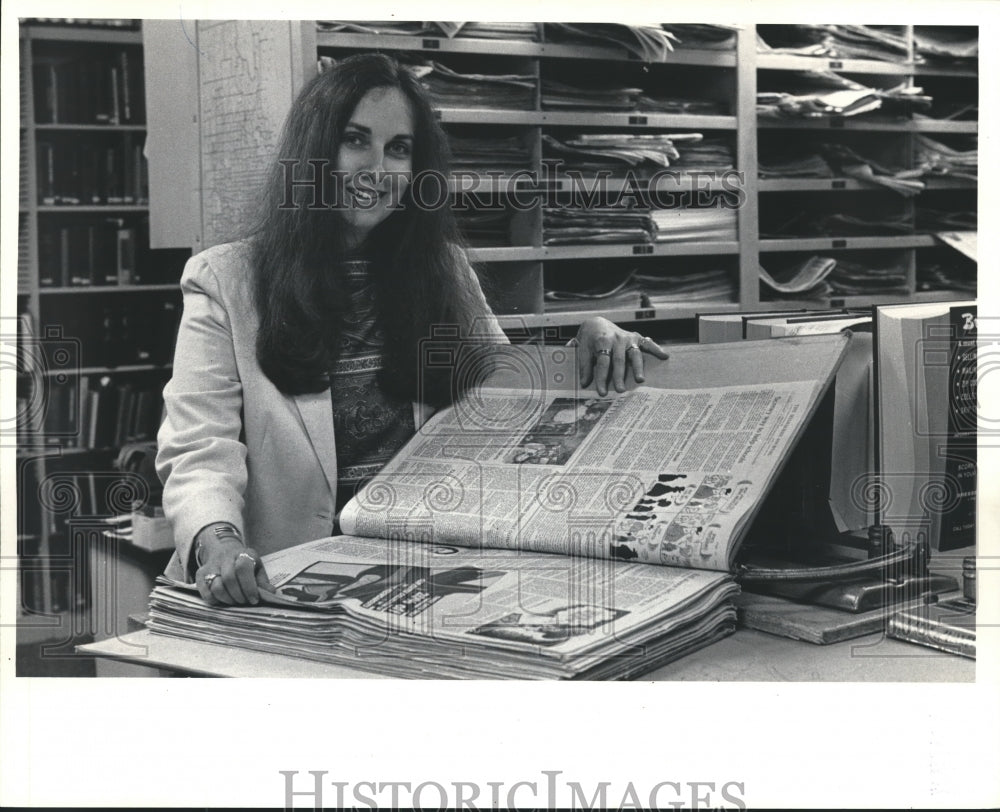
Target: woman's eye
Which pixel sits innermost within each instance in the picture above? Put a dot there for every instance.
(354, 139)
(400, 149)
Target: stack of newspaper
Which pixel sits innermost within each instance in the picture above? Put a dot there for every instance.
(608, 224)
(449, 88)
(843, 41)
(543, 532)
(936, 158)
(649, 42)
(694, 224)
(407, 609)
(479, 153)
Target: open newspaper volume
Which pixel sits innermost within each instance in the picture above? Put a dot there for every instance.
(545, 532)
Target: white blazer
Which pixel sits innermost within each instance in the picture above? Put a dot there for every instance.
(232, 447)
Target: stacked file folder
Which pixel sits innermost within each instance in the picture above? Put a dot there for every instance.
(449, 88)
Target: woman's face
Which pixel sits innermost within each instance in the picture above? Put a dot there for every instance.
(375, 160)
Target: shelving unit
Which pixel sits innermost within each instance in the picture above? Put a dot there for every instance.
(518, 268)
(738, 71)
(91, 372)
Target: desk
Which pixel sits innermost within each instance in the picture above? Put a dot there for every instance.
(746, 656)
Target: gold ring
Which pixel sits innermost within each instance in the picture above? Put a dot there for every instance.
(604, 352)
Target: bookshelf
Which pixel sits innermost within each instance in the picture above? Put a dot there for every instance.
(519, 264)
(97, 308)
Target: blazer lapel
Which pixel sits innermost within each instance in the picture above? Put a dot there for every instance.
(316, 411)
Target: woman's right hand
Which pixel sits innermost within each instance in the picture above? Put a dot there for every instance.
(230, 573)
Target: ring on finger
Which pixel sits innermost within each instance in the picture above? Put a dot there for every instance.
(604, 352)
(632, 346)
(248, 556)
(210, 578)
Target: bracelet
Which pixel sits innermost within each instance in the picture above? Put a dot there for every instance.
(223, 530)
(226, 530)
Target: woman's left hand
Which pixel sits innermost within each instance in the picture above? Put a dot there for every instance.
(605, 351)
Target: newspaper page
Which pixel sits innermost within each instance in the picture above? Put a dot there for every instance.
(461, 611)
(652, 475)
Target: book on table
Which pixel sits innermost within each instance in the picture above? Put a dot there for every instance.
(543, 531)
(926, 421)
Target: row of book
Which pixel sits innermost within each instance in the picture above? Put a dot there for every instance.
(104, 88)
(100, 412)
(82, 172)
(113, 331)
(105, 251)
(89, 22)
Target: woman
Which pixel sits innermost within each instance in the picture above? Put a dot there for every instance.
(295, 375)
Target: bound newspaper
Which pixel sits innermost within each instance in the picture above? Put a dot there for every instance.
(543, 531)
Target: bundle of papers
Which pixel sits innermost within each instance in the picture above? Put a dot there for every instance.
(705, 154)
(565, 226)
(480, 228)
(651, 43)
(485, 153)
(822, 94)
(682, 151)
(939, 275)
(851, 278)
(624, 294)
(694, 224)
(844, 41)
(624, 148)
(448, 88)
(512, 31)
(795, 166)
(413, 610)
(840, 224)
(946, 42)
(805, 279)
(527, 32)
(929, 219)
(705, 36)
(663, 290)
(649, 103)
(562, 96)
(935, 158)
(853, 165)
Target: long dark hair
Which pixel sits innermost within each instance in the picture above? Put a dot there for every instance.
(418, 268)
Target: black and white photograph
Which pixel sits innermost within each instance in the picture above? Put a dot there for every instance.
(728, 271)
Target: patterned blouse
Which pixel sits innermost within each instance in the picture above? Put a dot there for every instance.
(369, 426)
